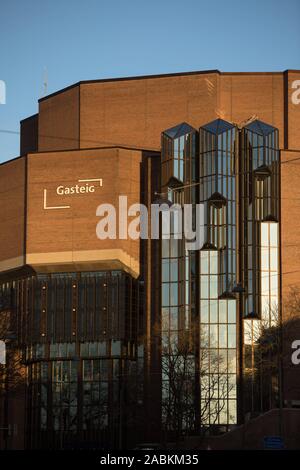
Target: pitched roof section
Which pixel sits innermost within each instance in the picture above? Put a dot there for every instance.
(260, 128)
(218, 126)
(176, 74)
(179, 130)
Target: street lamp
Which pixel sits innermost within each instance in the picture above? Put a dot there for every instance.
(162, 198)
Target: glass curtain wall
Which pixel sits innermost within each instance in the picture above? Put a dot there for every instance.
(218, 267)
(260, 263)
(237, 180)
(178, 275)
(78, 333)
(197, 299)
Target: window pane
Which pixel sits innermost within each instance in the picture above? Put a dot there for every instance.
(104, 363)
(274, 284)
(204, 287)
(165, 294)
(181, 169)
(87, 370)
(174, 294)
(273, 234)
(264, 259)
(214, 311)
(231, 336)
(232, 411)
(264, 234)
(223, 412)
(204, 311)
(115, 350)
(174, 318)
(176, 168)
(213, 336)
(231, 311)
(274, 310)
(222, 311)
(165, 225)
(165, 270)
(222, 336)
(71, 349)
(174, 248)
(214, 262)
(213, 287)
(248, 331)
(204, 336)
(274, 259)
(165, 318)
(265, 305)
(204, 262)
(93, 349)
(176, 148)
(222, 359)
(165, 248)
(174, 270)
(265, 284)
(231, 361)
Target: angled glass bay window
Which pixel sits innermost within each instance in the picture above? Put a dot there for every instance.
(178, 266)
(217, 168)
(259, 183)
(218, 312)
(260, 214)
(260, 162)
(217, 153)
(179, 148)
(262, 138)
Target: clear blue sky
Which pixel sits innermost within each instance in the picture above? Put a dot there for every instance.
(89, 39)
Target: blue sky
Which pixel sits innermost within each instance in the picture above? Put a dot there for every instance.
(90, 39)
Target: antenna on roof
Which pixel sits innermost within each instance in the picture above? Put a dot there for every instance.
(247, 121)
(221, 115)
(45, 82)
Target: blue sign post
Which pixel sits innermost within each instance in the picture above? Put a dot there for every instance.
(273, 442)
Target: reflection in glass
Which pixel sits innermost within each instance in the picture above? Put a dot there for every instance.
(231, 336)
(204, 311)
(223, 311)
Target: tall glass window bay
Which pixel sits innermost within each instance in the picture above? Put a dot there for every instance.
(231, 285)
(178, 268)
(217, 177)
(260, 268)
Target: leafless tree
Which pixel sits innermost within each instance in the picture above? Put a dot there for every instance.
(12, 372)
(272, 336)
(182, 372)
